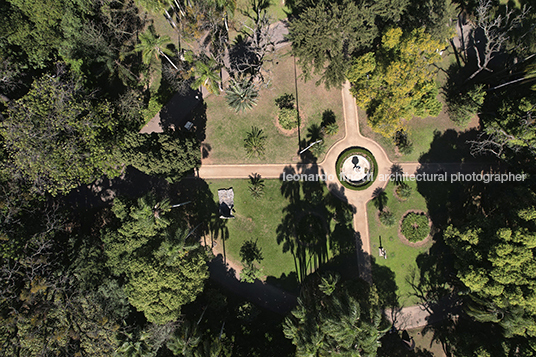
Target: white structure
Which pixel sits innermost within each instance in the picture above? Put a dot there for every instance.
(355, 169)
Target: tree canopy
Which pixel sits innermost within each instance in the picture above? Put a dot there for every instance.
(164, 267)
(327, 35)
(398, 80)
(58, 138)
(330, 319)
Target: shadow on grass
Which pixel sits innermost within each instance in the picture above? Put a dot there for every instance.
(305, 230)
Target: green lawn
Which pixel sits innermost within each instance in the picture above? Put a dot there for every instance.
(256, 219)
(226, 129)
(400, 257)
(264, 219)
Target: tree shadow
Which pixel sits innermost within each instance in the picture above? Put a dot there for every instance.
(133, 183)
(259, 293)
(452, 146)
(328, 117)
(393, 345)
(385, 282)
(305, 230)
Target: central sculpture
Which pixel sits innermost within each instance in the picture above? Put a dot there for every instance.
(355, 169)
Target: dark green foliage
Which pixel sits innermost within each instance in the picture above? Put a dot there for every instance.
(285, 101)
(334, 319)
(42, 29)
(249, 254)
(494, 259)
(379, 198)
(402, 142)
(327, 35)
(331, 129)
(169, 155)
(387, 218)
(256, 185)
(58, 138)
(403, 191)
(254, 143)
(463, 103)
(164, 265)
(415, 227)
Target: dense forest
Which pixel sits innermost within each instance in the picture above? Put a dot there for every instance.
(129, 276)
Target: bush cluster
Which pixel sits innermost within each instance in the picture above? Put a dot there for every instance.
(288, 118)
(415, 227)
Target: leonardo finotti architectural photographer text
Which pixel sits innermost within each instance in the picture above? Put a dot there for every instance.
(455, 177)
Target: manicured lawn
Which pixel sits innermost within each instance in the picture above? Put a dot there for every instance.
(256, 219)
(272, 216)
(400, 257)
(226, 129)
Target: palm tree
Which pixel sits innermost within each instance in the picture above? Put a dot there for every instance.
(185, 341)
(331, 129)
(152, 45)
(242, 95)
(206, 72)
(175, 247)
(254, 142)
(256, 185)
(131, 348)
(379, 198)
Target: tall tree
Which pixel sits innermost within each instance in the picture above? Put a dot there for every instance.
(58, 138)
(398, 81)
(326, 35)
(332, 321)
(159, 279)
(151, 45)
(169, 155)
(207, 74)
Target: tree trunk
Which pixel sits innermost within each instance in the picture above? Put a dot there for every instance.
(169, 60)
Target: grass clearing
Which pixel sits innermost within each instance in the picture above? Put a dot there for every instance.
(401, 258)
(226, 129)
(277, 221)
(256, 219)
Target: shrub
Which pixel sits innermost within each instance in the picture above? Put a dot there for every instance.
(403, 190)
(256, 186)
(415, 227)
(286, 101)
(405, 146)
(288, 118)
(331, 129)
(387, 218)
(254, 142)
(318, 149)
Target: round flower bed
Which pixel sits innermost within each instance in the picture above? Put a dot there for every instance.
(372, 174)
(415, 227)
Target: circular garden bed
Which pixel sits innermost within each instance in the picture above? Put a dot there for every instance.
(372, 173)
(415, 228)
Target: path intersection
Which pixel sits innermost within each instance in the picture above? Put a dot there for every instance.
(414, 315)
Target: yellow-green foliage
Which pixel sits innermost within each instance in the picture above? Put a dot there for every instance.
(397, 81)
